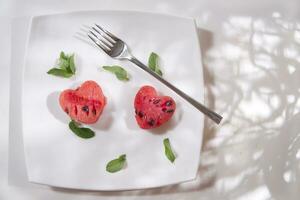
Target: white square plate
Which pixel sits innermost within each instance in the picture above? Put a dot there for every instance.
(57, 157)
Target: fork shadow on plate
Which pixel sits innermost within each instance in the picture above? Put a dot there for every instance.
(104, 123)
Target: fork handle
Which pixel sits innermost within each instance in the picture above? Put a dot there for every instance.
(211, 114)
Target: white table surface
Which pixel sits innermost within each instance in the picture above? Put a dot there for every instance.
(251, 53)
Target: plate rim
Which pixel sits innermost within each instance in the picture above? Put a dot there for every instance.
(112, 11)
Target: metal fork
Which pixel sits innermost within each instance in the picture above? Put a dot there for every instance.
(116, 48)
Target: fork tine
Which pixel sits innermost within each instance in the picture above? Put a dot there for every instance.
(107, 32)
(104, 35)
(103, 47)
(108, 44)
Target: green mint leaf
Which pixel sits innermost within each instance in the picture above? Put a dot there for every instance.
(81, 132)
(153, 63)
(168, 150)
(116, 164)
(65, 66)
(120, 72)
(158, 71)
(59, 72)
(63, 56)
(72, 64)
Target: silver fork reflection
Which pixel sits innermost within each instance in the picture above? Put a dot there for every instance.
(118, 49)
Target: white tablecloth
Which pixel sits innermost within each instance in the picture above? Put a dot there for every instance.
(251, 55)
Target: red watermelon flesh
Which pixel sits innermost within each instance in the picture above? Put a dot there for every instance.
(152, 110)
(84, 104)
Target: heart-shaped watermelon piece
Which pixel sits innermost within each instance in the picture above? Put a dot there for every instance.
(84, 104)
(152, 110)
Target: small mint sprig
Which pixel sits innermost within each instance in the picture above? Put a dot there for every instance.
(168, 150)
(116, 164)
(119, 72)
(153, 63)
(82, 132)
(65, 66)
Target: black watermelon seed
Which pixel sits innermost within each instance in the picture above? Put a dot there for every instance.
(94, 111)
(169, 103)
(151, 122)
(135, 111)
(140, 114)
(170, 111)
(67, 110)
(85, 108)
(164, 109)
(156, 101)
